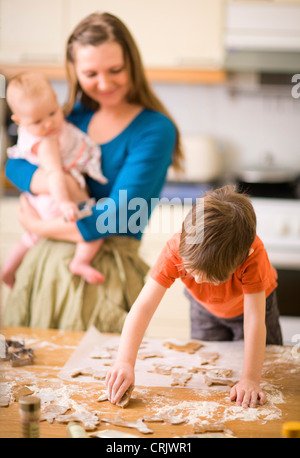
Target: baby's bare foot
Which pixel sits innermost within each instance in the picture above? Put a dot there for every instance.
(86, 271)
(8, 278)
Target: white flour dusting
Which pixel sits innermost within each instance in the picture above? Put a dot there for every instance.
(203, 408)
(222, 411)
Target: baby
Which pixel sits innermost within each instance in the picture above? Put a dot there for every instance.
(46, 139)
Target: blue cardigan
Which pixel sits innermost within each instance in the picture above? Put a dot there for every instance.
(135, 164)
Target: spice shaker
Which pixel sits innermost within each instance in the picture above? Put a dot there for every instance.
(29, 409)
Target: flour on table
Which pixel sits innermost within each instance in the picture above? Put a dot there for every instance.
(138, 424)
(224, 365)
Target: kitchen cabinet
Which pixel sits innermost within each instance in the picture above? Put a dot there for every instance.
(32, 31)
(169, 33)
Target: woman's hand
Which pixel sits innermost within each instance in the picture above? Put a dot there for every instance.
(28, 216)
(69, 210)
(39, 185)
(56, 228)
(118, 380)
(247, 393)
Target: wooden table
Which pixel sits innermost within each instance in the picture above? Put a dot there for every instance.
(53, 348)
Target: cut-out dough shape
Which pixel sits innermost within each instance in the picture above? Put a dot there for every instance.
(123, 402)
(52, 411)
(139, 424)
(143, 354)
(100, 354)
(9, 397)
(218, 381)
(21, 391)
(103, 396)
(164, 369)
(5, 400)
(219, 372)
(89, 419)
(190, 347)
(159, 418)
(180, 379)
(89, 372)
(208, 427)
(86, 372)
(195, 370)
(208, 358)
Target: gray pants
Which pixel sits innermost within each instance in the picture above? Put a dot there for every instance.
(206, 326)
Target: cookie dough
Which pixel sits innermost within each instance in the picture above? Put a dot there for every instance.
(209, 381)
(207, 358)
(190, 347)
(89, 419)
(52, 411)
(208, 427)
(123, 402)
(139, 424)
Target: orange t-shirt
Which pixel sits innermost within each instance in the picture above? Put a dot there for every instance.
(225, 300)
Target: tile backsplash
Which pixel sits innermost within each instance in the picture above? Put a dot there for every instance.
(248, 126)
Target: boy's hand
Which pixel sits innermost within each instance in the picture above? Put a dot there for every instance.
(70, 210)
(118, 380)
(247, 393)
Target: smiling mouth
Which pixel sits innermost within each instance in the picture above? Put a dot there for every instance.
(108, 93)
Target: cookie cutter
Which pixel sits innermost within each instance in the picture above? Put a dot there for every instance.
(17, 354)
(85, 208)
(22, 357)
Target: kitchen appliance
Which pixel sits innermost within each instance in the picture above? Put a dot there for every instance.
(203, 160)
(270, 180)
(262, 36)
(278, 226)
(275, 193)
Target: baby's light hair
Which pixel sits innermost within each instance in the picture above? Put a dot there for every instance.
(26, 85)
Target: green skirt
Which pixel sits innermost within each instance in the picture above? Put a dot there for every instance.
(47, 295)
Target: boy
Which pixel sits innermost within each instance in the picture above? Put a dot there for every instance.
(228, 277)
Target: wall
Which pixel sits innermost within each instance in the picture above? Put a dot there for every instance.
(247, 125)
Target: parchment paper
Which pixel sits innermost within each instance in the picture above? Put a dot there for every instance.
(93, 342)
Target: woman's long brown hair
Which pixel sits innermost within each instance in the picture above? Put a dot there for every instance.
(96, 29)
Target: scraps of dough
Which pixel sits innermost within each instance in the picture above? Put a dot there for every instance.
(159, 362)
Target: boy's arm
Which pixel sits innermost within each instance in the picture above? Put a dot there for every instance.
(247, 392)
(121, 375)
(50, 157)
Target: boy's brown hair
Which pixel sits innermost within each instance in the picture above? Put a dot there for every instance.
(217, 233)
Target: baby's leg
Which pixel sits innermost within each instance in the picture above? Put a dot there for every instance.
(80, 265)
(12, 263)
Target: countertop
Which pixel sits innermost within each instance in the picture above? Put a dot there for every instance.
(53, 349)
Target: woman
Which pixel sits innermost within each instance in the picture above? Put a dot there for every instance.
(110, 99)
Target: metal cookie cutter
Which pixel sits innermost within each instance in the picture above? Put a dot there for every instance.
(22, 357)
(85, 208)
(17, 354)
